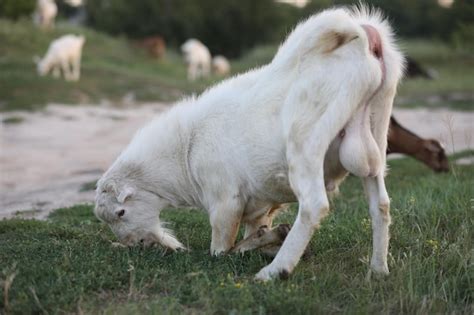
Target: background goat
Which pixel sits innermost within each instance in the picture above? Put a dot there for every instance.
(198, 59)
(63, 54)
(45, 13)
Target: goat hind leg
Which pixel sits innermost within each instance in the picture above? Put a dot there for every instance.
(379, 209)
(56, 72)
(66, 70)
(313, 206)
(379, 202)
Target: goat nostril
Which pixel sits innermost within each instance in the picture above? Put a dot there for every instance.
(121, 213)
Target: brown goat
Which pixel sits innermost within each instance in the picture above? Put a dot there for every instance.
(428, 151)
(155, 45)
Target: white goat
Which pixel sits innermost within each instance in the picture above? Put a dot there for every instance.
(220, 65)
(63, 53)
(46, 11)
(197, 57)
(74, 3)
(288, 131)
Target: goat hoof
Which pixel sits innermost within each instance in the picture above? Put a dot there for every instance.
(283, 230)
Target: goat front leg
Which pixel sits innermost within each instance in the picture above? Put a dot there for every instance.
(225, 222)
(56, 72)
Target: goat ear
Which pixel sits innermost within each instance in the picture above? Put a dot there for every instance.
(434, 146)
(124, 194)
(332, 40)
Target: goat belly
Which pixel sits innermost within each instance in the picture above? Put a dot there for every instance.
(359, 152)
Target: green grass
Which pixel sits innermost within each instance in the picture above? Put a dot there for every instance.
(67, 264)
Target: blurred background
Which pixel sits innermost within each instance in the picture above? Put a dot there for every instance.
(438, 34)
(59, 135)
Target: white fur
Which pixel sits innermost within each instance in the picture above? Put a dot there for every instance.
(46, 11)
(266, 137)
(63, 54)
(74, 3)
(220, 65)
(198, 59)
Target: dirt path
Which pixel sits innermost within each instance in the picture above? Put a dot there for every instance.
(46, 159)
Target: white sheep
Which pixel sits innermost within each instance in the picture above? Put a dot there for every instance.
(63, 54)
(288, 131)
(46, 11)
(198, 59)
(220, 65)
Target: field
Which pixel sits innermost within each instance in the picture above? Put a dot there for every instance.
(116, 70)
(67, 263)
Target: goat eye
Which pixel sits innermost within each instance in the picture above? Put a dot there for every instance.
(104, 191)
(121, 213)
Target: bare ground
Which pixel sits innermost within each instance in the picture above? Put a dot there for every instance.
(47, 157)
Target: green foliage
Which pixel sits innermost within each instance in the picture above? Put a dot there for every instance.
(227, 27)
(233, 26)
(14, 9)
(463, 37)
(68, 264)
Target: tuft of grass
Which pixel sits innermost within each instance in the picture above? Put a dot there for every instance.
(67, 263)
(89, 186)
(12, 120)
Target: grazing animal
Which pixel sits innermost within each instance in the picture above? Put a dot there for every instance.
(63, 54)
(220, 65)
(198, 59)
(428, 151)
(415, 70)
(155, 45)
(46, 11)
(288, 131)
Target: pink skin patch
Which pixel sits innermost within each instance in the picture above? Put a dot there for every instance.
(375, 45)
(375, 42)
